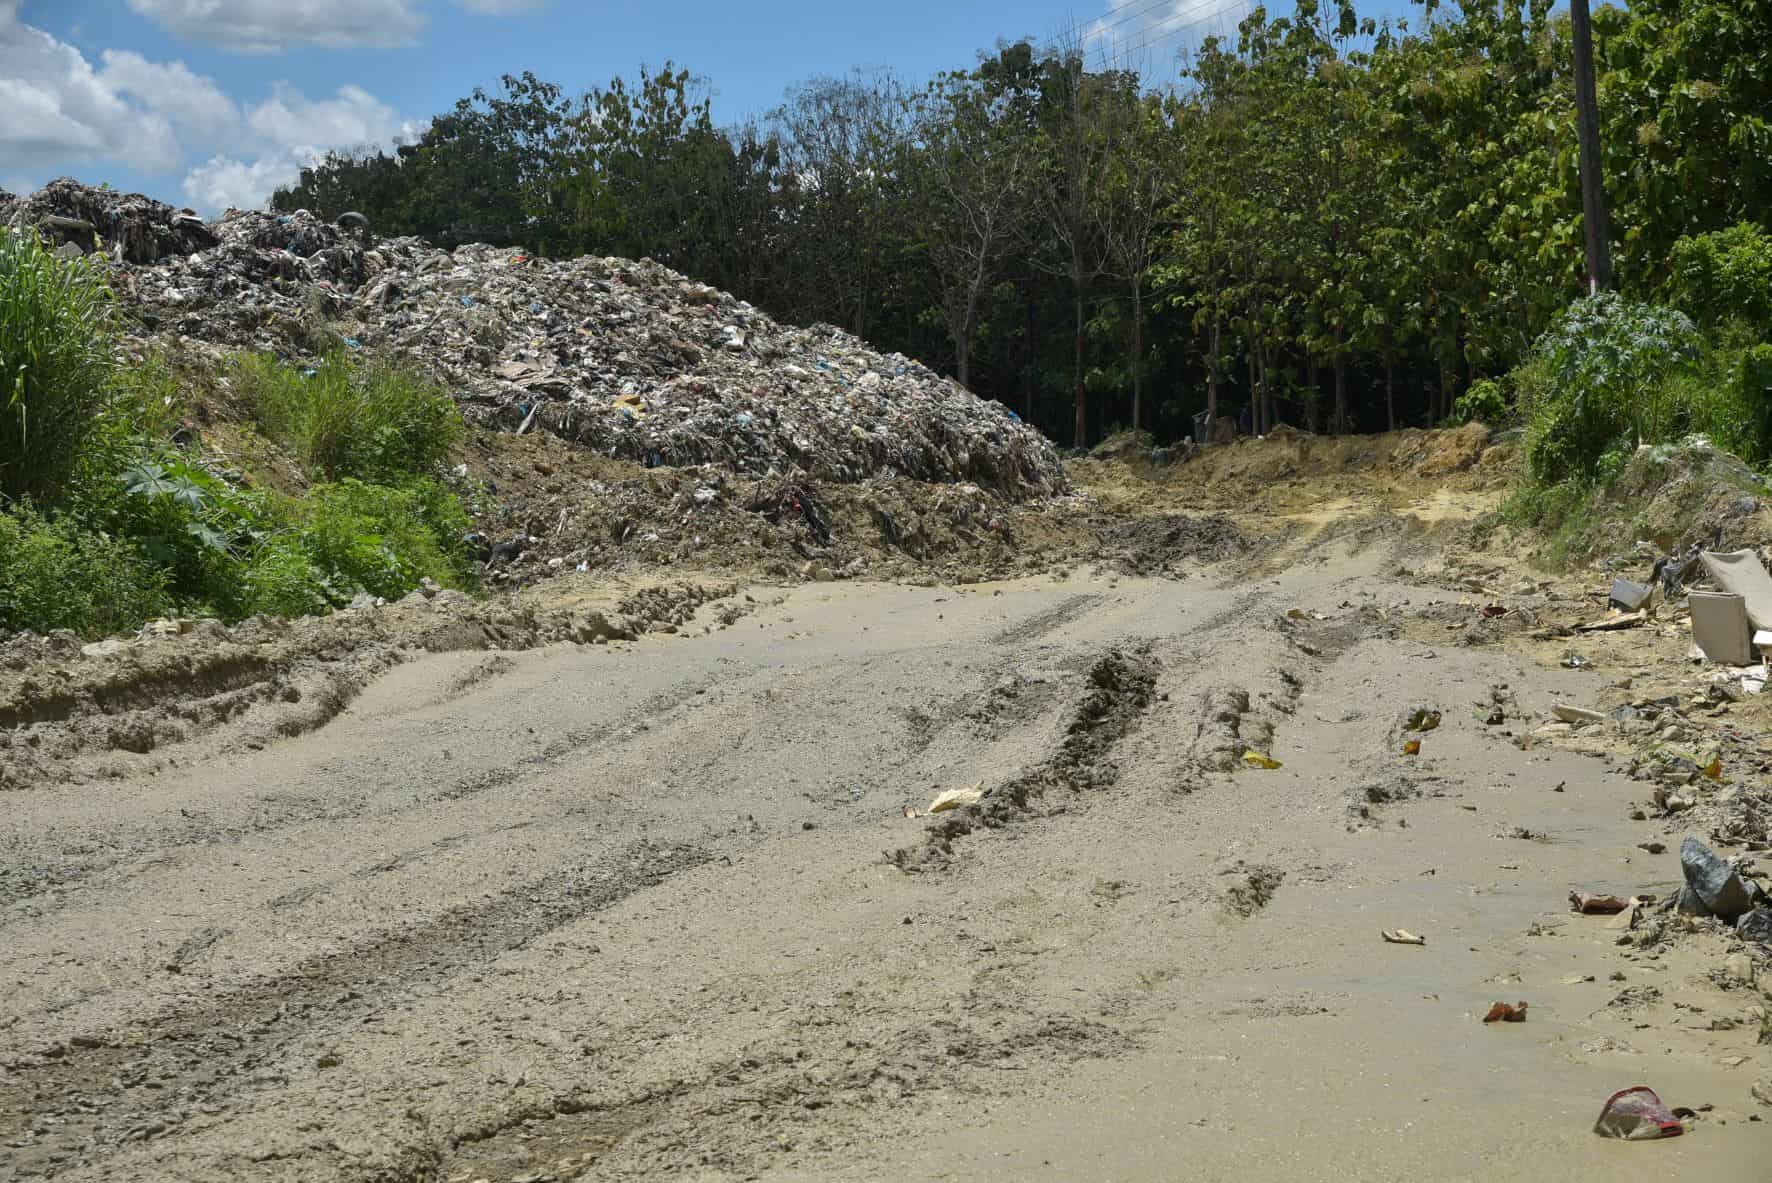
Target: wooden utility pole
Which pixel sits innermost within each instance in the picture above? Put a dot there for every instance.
(1587, 125)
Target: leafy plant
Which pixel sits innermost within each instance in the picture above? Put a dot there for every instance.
(380, 539)
(1724, 276)
(55, 574)
(1484, 402)
(1608, 363)
(56, 361)
(370, 418)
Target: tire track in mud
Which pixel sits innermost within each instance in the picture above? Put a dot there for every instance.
(24, 878)
(73, 1103)
(1033, 628)
(1122, 684)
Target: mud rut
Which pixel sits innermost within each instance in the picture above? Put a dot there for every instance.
(656, 909)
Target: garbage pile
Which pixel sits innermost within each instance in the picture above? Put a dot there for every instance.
(128, 228)
(629, 359)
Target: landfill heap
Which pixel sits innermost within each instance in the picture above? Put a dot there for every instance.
(629, 359)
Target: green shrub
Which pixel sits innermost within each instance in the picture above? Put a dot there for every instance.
(56, 574)
(1724, 276)
(281, 579)
(383, 540)
(1604, 384)
(56, 360)
(1484, 402)
(371, 418)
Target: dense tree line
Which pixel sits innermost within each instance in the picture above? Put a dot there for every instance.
(1328, 221)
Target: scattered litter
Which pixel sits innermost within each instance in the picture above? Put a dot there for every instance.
(1412, 748)
(1422, 719)
(1596, 905)
(1261, 760)
(1401, 936)
(1627, 620)
(1634, 908)
(1720, 627)
(1741, 573)
(1628, 596)
(955, 798)
(1713, 886)
(1636, 1115)
(1569, 714)
(720, 382)
(1574, 661)
(1506, 1012)
(1574, 979)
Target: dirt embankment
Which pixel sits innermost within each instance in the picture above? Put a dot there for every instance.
(620, 550)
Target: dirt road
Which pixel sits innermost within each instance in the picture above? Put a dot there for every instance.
(650, 910)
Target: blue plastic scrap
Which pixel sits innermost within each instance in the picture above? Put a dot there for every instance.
(467, 301)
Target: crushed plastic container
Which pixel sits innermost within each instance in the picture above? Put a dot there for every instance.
(1636, 1115)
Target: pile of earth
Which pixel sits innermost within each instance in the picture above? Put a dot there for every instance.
(628, 359)
(1671, 496)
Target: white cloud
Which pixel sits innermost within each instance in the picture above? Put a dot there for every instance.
(58, 109)
(62, 115)
(271, 26)
(287, 132)
(222, 183)
(352, 118)
(194, 103)
(1137, 32)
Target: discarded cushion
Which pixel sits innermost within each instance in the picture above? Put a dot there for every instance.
(1740, 572)
(1720, 627)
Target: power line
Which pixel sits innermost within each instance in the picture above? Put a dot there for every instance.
(1111, 56)
(1174, 29)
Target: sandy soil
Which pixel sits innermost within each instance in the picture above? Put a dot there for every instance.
(659, 907)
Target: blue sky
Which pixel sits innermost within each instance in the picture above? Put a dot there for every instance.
(215, 102)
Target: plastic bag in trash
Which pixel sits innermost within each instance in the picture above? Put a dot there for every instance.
(1637, 1114)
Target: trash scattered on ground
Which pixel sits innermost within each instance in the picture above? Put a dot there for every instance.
(956, 798)
(1720, 628)
(1627, 620)
(1713, 886)
(629, 359)
(1569, 714)
(1506, 1012)
(1412, 748)
(1261, 760)
(1636, 1115)
(1401, 936)
(1627, 596)
(1422, 719)
(1597, 905)
(1741, 573)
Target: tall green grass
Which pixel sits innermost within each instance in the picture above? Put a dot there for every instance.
(57, 357)
(368, 417)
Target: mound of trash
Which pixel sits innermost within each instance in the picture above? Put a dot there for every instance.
(629, 359)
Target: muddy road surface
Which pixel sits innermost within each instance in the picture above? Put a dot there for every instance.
(675, 909)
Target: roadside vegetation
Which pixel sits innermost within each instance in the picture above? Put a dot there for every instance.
(110, 516)
(1613, 374)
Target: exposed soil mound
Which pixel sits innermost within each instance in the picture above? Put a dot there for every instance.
(1672, 495)
(1172, 544)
